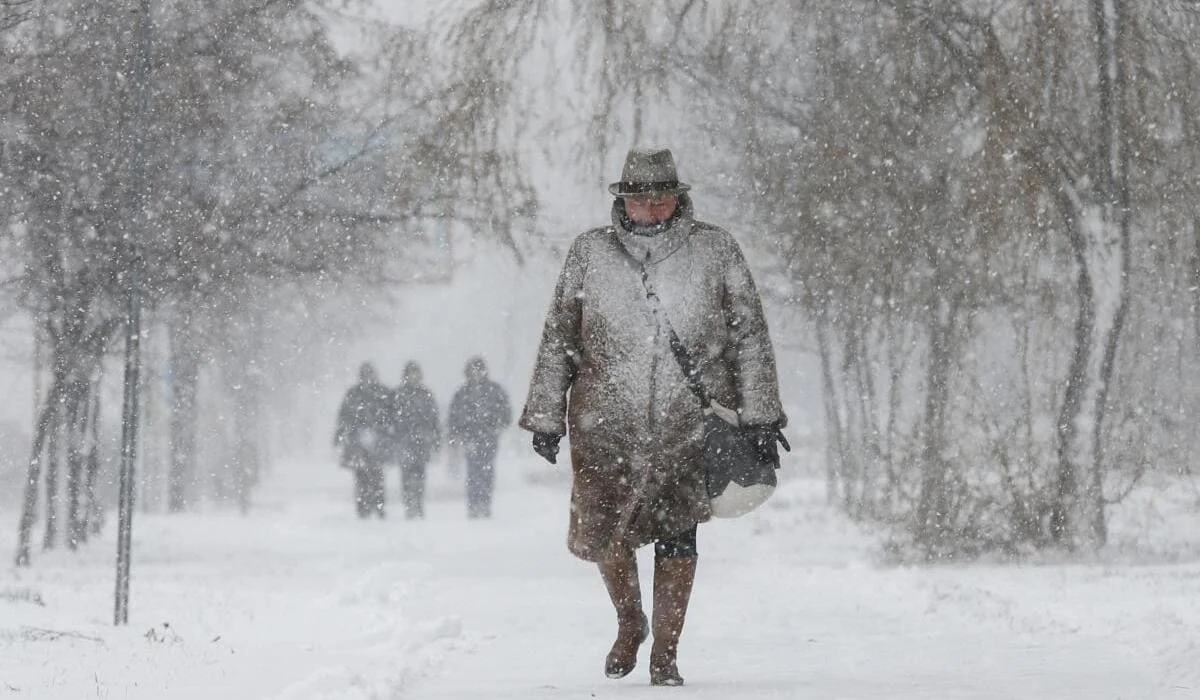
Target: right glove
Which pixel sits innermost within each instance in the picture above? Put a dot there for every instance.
(764, 439)
(546, 445)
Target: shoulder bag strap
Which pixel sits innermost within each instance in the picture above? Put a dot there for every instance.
(691, 372)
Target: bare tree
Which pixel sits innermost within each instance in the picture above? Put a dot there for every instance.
(939, 168)
(271, 162)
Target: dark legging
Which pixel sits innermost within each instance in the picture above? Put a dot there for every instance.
(679, 546)
(368, 490)
(412, 481)
(481, 476)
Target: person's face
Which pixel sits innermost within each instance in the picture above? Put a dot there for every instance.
(651, 208)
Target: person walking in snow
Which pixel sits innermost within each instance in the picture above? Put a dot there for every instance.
(415, 435)
(605, 374)
(363, 431)
(479, 411)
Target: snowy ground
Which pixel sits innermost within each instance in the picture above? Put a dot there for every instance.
(301, 601)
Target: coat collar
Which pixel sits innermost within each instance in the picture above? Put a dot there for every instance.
(657, 248)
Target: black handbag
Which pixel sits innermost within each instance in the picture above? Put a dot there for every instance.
(738, 478)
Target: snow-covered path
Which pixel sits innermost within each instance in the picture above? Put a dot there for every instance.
(785, 607)
(301, 601)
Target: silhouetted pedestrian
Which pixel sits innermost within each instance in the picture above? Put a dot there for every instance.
(479, 411)
(363, 431)
(415, 437)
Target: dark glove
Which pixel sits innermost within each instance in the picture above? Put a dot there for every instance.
(764, 439)
(546, 445)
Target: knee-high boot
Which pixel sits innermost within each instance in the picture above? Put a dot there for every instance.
(620, 576)
(673, 577)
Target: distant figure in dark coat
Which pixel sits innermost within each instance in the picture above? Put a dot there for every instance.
(478, 412)
(364, 426)
(415, 436)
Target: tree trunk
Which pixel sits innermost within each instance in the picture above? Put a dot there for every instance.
(185, 381)
(852, 430)
(1194, 234)
(835, 450)
(53, 457)
(1110, 20)
(1072, 452)
(73, 354)
(870, 452)
(934, 523)
(46, 418)
(93, 511)
(245, 385)
(1099, 234)
(77, 423)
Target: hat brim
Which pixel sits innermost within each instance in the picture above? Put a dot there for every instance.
(647, 189)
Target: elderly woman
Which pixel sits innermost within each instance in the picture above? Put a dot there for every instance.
(606, 373)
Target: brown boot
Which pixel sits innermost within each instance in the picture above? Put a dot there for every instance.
(620, 576)
(673, 577)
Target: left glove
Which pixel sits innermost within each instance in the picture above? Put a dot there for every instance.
(546, 445)
(766, 440)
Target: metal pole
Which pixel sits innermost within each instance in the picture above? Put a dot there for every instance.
(133, 326)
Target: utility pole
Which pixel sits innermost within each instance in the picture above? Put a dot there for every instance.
(135, 224)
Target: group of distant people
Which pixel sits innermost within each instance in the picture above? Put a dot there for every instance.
(378, 426)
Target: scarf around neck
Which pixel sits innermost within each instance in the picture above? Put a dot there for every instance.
(646, 230)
